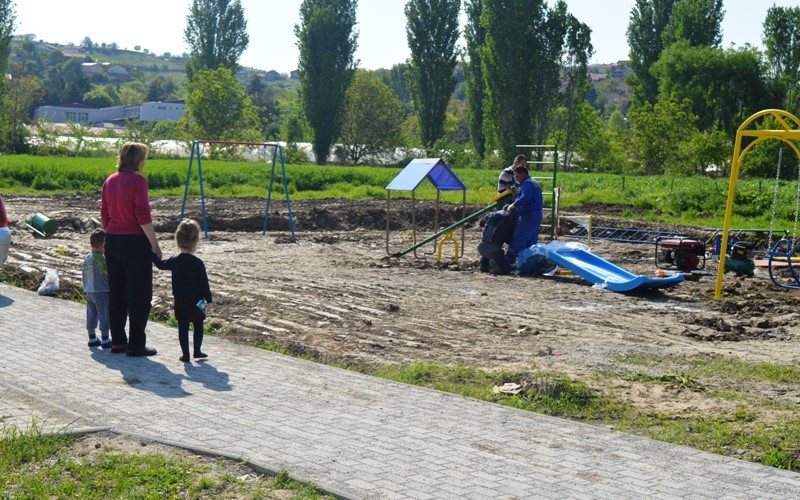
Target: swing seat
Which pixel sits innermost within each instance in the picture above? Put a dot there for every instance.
(780, 257)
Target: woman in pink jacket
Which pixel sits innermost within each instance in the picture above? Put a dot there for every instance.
(130, 241)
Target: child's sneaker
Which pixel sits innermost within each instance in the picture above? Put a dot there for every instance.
(94, 342)
(106, 343)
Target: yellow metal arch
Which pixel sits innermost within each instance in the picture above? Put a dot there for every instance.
(789, 133)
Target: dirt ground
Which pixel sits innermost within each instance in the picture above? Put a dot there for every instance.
(336, 295)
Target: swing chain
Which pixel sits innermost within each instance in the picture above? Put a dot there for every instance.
(775, 198)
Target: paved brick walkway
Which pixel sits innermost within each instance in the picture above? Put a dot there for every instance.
(353, 435)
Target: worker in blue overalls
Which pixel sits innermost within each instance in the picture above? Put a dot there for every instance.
(528, 206)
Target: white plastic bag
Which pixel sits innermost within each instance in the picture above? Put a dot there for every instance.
(49, 285)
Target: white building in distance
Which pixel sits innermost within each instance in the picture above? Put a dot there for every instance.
(114, 115)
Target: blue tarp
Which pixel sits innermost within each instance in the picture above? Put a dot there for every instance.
(434, 169)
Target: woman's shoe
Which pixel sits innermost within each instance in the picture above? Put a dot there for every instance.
(147, 351)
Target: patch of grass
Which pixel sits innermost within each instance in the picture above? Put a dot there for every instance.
(108, 475)
(729, 395)
(774, 444)
(718, 366)
(680, 380)
(744, 370)
(300, 489)
(542, 392)
(18, 448)
(743, 434)
(33, 465)
(286, 350)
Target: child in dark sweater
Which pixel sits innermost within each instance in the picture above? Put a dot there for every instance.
(190, 288)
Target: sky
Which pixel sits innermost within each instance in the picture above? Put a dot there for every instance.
(157, 25)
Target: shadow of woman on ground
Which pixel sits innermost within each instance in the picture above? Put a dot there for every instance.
(144, 373)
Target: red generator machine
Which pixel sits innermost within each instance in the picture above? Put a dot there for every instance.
(684, 254)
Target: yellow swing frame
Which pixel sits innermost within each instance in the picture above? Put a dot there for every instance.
(789, 134)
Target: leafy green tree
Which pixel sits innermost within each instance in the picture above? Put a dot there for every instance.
(327, 43)
(64, 82)
(522, 63)
(782, 41)
(658, 130)
(7, 17)
(372, 118)
(655, 25)
(698, 22)
(595, 147)
(396, 79)
(294, 125)
(160, 88)
(101, 96)
(724, 87)
(266, 99)
(603, 95)
(579, 50)
(706, 152)
(432, 33)
(216, 31)
(475, 36)
(24, 93)
(32, 61)
(130, 95)
(617, 127)
(218, 108)
(648, 21)
(509, 58)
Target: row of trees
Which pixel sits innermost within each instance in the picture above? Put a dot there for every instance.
(690, 94)
(524, 80)
(517, 54)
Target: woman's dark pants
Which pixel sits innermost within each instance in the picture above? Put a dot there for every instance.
(130, 281)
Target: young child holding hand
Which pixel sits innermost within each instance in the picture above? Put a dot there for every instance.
(190, 289)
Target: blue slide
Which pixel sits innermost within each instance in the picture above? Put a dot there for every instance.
(597, 270)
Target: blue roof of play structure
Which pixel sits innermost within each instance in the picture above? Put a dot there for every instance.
(434, 169)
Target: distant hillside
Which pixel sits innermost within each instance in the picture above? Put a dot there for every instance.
(144, 59)
(140, 60)
(146, 76)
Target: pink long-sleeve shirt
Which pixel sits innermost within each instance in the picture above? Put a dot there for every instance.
(125, 203)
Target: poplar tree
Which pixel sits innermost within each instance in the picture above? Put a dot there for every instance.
(782, 41)
(648, 21)
(7, 17)
(327, 43)
(475, 36)
(698, 22)
(578, 83)
(432, 33)
(216, 32)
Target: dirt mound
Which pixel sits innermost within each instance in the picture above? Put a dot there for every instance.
(335, 294)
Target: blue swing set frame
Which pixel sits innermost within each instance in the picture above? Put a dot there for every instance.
(277, 153)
